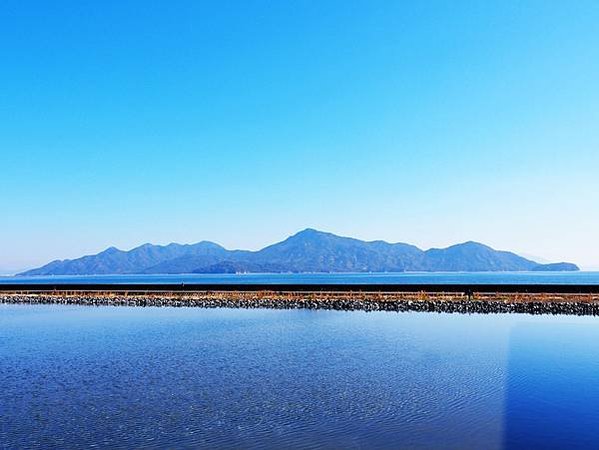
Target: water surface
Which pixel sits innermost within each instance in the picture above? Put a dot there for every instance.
(334, 278)
(74, 377)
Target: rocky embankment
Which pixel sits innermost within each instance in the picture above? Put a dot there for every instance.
(399, 302)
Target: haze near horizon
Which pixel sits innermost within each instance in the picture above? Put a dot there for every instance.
(431, 124)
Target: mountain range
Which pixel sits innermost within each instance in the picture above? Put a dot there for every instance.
(307, 251)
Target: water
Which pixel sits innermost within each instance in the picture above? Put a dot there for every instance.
(77, 377)
(339, 278)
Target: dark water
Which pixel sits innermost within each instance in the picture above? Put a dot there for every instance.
(77, 377)
(340, 278)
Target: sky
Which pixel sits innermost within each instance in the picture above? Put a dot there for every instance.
(242, 122)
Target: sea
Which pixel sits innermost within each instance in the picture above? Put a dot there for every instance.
(324, 278)
(118, 377)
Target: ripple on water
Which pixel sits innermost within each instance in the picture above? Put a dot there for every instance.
(123, 378)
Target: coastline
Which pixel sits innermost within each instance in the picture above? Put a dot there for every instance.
(436, 302)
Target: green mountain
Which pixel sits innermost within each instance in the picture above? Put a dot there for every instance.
(307, 251)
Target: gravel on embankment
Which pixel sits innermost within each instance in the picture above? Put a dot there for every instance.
(572, 304)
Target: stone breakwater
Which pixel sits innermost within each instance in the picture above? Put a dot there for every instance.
(573, 304)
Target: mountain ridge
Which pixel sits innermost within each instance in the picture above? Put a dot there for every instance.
(309, 250)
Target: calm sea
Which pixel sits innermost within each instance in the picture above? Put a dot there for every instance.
(342, 278)
(82, 377)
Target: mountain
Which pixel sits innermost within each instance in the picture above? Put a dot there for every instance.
(241, 267)
(138, 260)
(475, 257)
(315, 251)
(561, 266)
(307, 251)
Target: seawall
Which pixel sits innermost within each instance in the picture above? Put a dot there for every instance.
(530, 303)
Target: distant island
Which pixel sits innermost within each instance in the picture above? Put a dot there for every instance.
(307, 251)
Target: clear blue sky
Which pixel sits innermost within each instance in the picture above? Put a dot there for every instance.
(243, 122)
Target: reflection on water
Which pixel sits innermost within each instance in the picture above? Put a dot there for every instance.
(74, 377)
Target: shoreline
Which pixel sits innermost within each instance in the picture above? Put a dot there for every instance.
(499, 303)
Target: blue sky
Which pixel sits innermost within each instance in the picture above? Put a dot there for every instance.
(243, 122)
